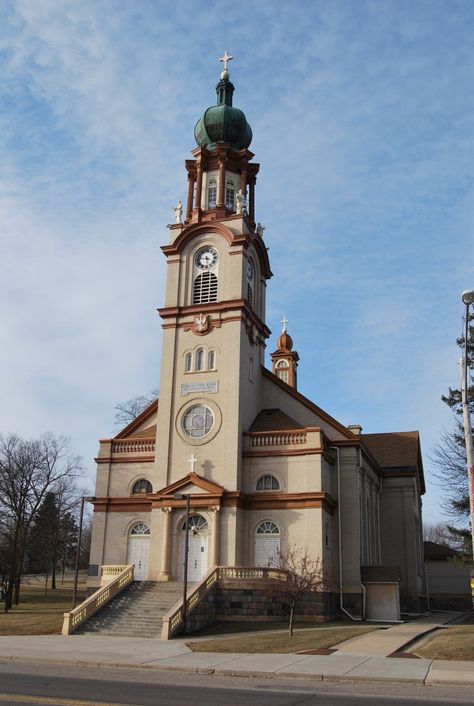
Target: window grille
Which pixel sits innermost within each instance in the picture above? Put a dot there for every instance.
(229, 197)
(142, 486)
(211, 360)
(205, 288)
(199, 359)
(268, 482)
(196, 523)
(267, 527)
(188, 362)
(140, 528)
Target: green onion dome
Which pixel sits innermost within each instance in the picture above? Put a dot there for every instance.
(223, 122)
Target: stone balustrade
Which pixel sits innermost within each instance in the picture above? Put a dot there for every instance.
(291, 439)
(173, 620)
(114, 579)
(133, 446)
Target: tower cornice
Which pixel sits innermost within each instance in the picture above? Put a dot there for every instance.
(232, 238)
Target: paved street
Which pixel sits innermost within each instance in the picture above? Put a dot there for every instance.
(58, 685)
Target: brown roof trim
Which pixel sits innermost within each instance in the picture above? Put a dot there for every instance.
(310, 405)
(138, 421)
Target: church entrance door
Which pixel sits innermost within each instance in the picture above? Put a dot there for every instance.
(267, 544)
(138, 550)
(197, 549)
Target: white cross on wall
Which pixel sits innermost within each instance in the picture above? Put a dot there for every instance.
(226, 58)
(192, 462)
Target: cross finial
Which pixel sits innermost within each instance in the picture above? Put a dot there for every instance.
(226, 58)
(192, 462)
(284, 321)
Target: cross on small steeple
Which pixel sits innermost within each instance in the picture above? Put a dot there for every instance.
(226, 58)
(284, 321)
(192, 462)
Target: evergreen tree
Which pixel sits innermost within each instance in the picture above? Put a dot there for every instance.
(449, 455)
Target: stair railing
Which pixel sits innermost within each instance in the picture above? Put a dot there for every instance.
(115, 579)
(173, 620)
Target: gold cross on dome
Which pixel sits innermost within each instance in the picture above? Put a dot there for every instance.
(284, 321)
(226, 58)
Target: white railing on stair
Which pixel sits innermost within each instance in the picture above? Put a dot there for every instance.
(173, 620)
(114, 579)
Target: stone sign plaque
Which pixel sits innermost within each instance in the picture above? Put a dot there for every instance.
(209, 388)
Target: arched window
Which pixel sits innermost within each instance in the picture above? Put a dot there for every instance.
(141, 487)
(196, 523)
(212, 193)
(267, 527)
(211, 360)
(205, 288)
(188, 362)
(199, 359)
(268, 482)
(282, 369)
(139, 529)
(229, 194)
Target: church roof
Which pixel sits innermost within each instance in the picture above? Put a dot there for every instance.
(435, 551)
(274, 420)
(396, 452)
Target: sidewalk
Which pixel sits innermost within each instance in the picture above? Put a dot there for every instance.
(348, 663)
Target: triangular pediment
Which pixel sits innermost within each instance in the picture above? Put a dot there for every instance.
(192, 484)
(143, 426)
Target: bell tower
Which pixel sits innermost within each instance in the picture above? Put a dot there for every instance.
(213, 320)
(284, 359)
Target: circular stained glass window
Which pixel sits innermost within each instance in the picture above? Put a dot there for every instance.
(198, 421)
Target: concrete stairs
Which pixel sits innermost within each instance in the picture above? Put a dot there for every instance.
(137, 611)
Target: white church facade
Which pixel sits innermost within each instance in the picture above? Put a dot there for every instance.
(265, 468)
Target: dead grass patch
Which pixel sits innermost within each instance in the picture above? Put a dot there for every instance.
(449, 643)
(39, 614)
(280, 642)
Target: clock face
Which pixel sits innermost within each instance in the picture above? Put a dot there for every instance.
(206, 259)
(249, 270)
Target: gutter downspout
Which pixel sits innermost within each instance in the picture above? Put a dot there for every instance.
(379, 493)
(339, 524)
(359, 470)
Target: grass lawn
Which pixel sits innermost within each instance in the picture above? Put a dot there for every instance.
(280, 642)
(38, 614)
(449, 643)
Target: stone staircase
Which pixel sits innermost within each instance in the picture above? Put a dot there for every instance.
(137, 611)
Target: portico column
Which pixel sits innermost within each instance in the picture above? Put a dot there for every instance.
(221, 185)
(189, 205)
(166, 545)
(198, 185)
(251, 183)
(215, 531)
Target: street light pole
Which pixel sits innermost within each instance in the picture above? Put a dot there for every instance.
(186, 553)
(468, 299)
(89, 499)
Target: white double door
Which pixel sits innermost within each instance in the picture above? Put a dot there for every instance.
(266, 551)
(138, 554)
(197, 556)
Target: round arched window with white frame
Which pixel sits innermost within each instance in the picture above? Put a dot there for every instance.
(197, 421)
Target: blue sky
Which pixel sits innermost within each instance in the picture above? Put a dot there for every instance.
(362, 115)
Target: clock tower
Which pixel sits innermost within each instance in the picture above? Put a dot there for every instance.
(213, 320)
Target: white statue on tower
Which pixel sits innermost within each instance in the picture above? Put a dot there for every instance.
(260, 229)
(241, 203)
(178, 212)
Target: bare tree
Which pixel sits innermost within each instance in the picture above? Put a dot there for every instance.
(437, 532)
(28, 470)
(126, 412)
(305, 577)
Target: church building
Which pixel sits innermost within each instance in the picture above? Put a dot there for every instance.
(266, 469)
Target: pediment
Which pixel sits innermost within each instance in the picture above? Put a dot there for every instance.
(192, 484)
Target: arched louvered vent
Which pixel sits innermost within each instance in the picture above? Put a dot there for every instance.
(205, 288)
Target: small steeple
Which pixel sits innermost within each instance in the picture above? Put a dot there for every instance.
(284, 359)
